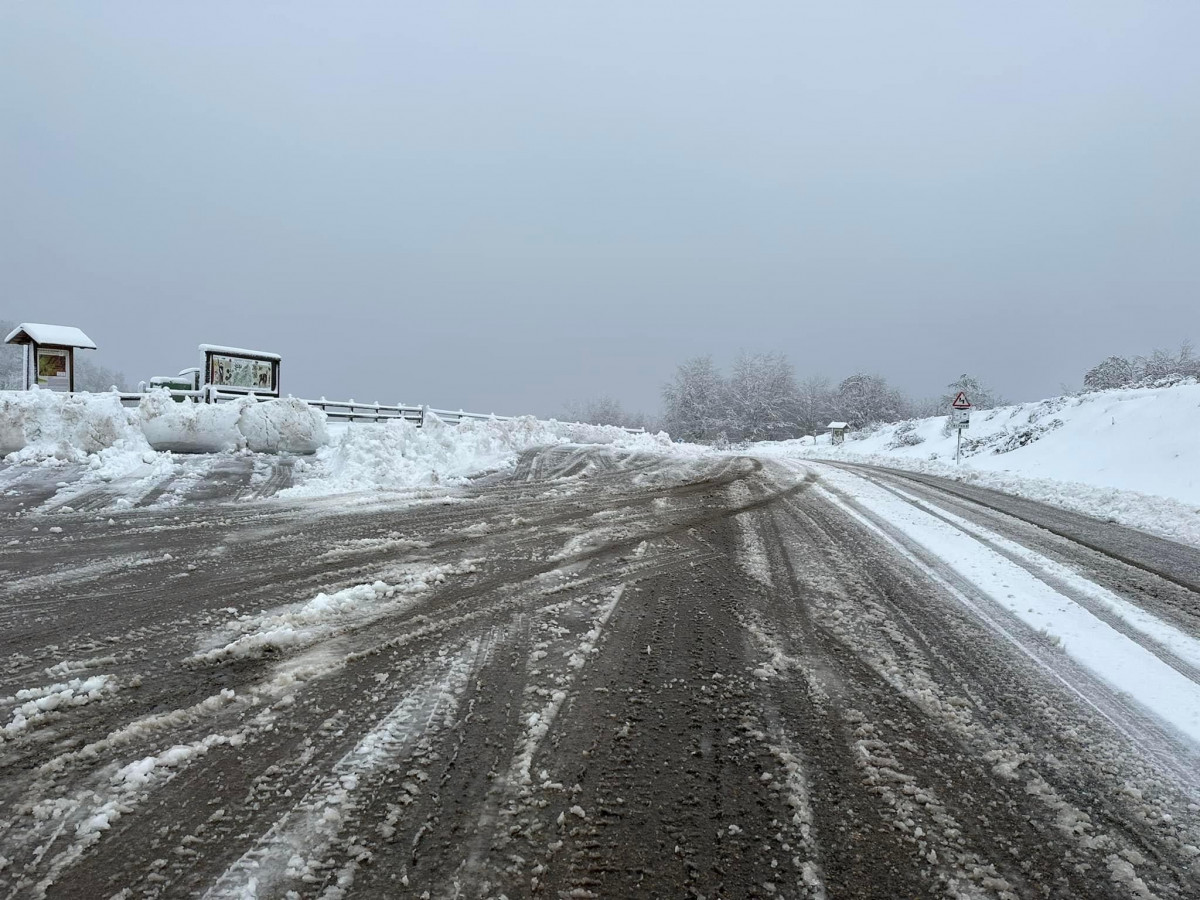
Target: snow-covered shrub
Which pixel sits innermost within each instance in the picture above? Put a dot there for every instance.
(905, 436)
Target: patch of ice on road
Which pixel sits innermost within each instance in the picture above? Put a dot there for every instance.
(1115, 658)
(325, 615)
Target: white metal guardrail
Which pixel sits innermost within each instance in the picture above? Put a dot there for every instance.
(346, 410)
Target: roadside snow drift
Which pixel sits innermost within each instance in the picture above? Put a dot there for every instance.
(45, 426)
(272, 426)
(1132, 455)
(397, 455)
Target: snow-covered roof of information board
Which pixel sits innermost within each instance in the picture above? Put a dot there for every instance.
(838, 426)
(237, 351)
(60, 335)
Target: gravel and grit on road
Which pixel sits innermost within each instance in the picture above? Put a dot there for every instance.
(599, 673)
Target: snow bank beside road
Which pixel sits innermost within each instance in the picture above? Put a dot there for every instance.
(1130, 455)
(38, 426)
(272, 426)
(45, 426)
(42, 427)
(398, 456)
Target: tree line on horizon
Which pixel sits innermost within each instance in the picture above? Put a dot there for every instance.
(761, 397)
(1130, 371)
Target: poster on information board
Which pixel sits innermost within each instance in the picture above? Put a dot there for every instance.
(239, 371)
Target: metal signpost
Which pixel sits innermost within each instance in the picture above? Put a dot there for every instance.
(961, 416)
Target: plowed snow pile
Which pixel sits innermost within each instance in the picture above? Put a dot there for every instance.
(95, 429)
(43, 426)
(1132, 455)
(47, 428)
(273, 426)
(399, 456)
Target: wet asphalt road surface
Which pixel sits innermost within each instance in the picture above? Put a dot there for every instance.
(598, 675)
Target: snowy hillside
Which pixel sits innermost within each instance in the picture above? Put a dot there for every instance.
(1131, 455)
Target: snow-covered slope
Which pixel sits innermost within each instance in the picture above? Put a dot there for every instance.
(1131, 455)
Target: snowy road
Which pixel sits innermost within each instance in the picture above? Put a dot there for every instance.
(598, 675)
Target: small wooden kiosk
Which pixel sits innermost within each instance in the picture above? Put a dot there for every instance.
(837, 432)
(49, 354)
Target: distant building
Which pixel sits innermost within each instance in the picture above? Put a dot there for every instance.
(837, 431)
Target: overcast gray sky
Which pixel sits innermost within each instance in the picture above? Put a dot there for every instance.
(504, 206)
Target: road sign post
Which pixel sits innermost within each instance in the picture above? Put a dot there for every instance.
(961, 417)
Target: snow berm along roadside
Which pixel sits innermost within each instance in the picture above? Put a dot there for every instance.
(1129, 455)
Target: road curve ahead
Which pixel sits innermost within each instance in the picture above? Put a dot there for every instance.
(598, 675)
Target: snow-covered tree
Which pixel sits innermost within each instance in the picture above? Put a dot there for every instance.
(91, 376)
(1114, 372)
(595, 411)
(928, 407)
(762, 399)
(1159, 364)
(11, 359)
(815, 407)
(1165, 364)
(864, 399)
(981, 396)
(694, 401)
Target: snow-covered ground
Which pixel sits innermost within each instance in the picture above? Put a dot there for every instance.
(1131, 455)
(1046, 596)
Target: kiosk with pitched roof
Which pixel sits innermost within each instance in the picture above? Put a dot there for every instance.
(49, 354)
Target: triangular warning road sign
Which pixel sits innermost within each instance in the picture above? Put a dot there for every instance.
(961, 401)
